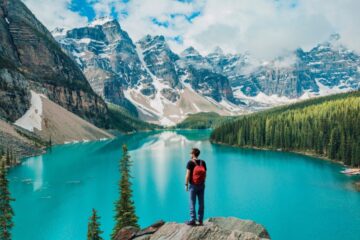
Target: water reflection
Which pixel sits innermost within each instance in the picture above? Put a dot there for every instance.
(35, 164)
(156, 151)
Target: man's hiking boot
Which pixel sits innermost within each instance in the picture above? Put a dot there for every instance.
(190, 223)
(201, 223)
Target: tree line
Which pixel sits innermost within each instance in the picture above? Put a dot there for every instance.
(327, 126)
(8, 156)
(6, 211)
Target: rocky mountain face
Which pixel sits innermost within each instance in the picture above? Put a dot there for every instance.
(159, 60)
(214, 228)
(147, 77)
(201, 75)
(30, 58)
(327, 68)
(108, 58)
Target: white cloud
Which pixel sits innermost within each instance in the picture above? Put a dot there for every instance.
(138, 21)
(55, 13)
(265, 28)
(268, 28)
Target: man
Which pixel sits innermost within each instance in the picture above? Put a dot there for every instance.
(195, 184)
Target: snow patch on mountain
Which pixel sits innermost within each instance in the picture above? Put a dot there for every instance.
(100, 21)
(32, 119)
(325, 90)
(263, 98)
(157, 101)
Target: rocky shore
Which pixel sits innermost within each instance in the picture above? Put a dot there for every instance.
(218, 228)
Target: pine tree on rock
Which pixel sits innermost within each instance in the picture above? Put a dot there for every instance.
(94, 231)
(125, 208)
(6, 211)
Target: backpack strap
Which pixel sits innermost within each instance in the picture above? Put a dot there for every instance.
(200, 162)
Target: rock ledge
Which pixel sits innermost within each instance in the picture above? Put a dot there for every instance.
(218, 228)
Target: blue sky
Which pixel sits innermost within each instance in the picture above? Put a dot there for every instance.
(265, 28)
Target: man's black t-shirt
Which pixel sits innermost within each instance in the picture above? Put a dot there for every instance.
(191, 165)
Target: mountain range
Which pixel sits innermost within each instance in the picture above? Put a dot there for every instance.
(160, 86)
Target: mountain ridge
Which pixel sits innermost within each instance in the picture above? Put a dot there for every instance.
(150, 77)
(143, 77)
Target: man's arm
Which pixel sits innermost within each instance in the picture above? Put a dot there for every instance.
(187, 177)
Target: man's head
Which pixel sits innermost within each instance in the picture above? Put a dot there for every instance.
(195, 152)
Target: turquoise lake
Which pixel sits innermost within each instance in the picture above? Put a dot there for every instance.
(293, 196)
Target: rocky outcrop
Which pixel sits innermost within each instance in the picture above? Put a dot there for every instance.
(214, 228)
(210, 84)
(114, 65)
(201, 75)
(159, 59)
(14, 94)
(28, 51)
(108, 58)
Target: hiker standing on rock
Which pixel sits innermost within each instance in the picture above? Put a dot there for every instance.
(195, 184)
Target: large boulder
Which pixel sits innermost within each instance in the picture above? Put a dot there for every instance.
(213, 229)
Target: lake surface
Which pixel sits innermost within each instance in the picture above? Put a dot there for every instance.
(293, 196)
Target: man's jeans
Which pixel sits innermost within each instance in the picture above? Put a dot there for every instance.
(196, 191)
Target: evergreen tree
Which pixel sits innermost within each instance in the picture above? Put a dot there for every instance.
(94, 231)
(8, 157)
(125, 207)
(6, 211)
(328, 126)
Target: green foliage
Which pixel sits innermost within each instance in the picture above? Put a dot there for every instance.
(327, 126)
(202, 120)
(125, 208)
(6, 211)
(123, 121)
(94, 231)
(7, 156)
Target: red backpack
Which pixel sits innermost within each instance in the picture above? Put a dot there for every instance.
(199, 173)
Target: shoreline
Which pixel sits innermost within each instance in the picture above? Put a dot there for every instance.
(305, 153)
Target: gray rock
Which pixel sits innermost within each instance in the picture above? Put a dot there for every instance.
(14, 94)
(213, 229)
(159, 59)
(231, 223)
(108, 58)
(170, 94)
(27, 48)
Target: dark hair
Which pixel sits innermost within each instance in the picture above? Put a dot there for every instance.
(195, 151)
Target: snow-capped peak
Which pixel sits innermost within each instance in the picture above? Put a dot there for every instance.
(101, 21)
(190, 51)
